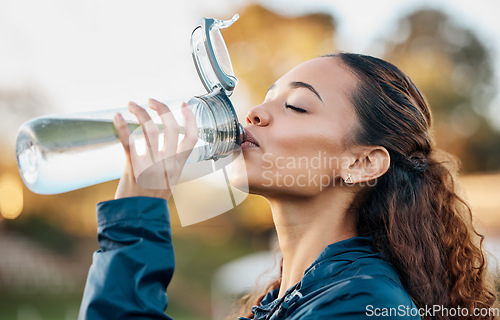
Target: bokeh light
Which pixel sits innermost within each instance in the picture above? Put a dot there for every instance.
(11, 196)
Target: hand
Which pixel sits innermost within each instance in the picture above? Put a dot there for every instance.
(154, 171)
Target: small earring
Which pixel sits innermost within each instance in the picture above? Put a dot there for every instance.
(349, 178)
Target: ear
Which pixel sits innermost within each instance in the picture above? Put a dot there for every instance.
(370, 163)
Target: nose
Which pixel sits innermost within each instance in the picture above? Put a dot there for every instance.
(258, 116)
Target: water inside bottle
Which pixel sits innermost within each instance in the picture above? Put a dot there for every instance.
(56, 155)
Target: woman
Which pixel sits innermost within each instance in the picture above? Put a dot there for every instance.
(368, 220)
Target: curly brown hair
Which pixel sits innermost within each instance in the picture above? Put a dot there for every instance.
(414, 213)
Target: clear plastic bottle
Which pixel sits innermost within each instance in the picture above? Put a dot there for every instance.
(61, 153)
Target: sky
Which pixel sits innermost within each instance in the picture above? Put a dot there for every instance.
(83, 55)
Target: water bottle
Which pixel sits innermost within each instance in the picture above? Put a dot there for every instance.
(60, 153)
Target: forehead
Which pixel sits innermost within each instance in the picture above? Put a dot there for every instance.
(327, 75)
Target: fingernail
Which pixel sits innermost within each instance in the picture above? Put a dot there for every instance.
(184, 105)
(119, 117)
(152, 103)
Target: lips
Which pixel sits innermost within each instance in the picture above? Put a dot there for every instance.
(250, 141)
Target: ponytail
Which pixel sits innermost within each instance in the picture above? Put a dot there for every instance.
(424, 227)
(414, 213)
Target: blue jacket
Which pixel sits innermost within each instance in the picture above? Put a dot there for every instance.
(130, 274)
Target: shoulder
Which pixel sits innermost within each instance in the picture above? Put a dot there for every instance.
(362, 291)
(363, 296)
(350, 280)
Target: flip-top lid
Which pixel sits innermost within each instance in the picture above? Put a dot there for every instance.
(210, 55)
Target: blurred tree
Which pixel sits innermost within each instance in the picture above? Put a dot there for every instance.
(265, 45)
(454, 71)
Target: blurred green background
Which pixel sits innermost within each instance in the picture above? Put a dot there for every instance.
(46, 242)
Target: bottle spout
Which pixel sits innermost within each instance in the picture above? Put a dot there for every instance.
(221, 24)
(242, 134)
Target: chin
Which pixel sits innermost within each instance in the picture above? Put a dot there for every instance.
(240, 183)
(237, 173)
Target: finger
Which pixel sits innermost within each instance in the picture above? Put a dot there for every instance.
(190, 134)
(123, 132)
(171, 128)
(170, 137)
(149, 128)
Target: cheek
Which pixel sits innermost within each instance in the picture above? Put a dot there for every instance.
(304, 161)
(316, 151)
(317, 133)
(314, 162)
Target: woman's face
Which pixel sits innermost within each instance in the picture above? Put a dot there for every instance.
(300, 131)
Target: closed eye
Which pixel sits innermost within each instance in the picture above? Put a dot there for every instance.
(289, 106)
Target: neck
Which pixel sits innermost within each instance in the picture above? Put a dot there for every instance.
(305, 226)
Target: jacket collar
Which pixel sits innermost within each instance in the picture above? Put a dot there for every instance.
(330, 263)
(349, 249)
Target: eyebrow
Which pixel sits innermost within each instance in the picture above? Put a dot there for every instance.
(300, 84)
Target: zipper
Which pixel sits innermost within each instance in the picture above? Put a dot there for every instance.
(297, 295)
